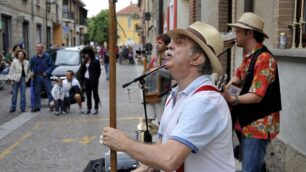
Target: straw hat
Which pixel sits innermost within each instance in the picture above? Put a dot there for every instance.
(250, 21)
(207, 37)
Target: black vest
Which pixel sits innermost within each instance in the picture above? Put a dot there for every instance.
(271, 102)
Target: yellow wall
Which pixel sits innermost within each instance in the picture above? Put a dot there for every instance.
(130, 32)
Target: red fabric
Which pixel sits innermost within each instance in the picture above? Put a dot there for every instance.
(181, 168)
(206, 88)
(202, 88)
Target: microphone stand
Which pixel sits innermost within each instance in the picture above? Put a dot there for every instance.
(141, 79)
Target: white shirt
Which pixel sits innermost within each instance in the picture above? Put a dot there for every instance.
(87, 71)
(68, 85)
(15, 71)
(59, 92)
(202, 122)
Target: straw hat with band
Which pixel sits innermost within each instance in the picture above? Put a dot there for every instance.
(207, 37)
(250, 21)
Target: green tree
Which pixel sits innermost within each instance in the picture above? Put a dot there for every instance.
(98, 27)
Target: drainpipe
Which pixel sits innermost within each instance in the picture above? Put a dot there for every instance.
(160, 17)
(229, 51)
(46, 37)
(32, 10)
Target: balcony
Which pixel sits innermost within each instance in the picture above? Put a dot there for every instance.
(68, 15)
(83, 21)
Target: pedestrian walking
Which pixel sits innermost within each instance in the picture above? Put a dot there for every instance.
(121, 56)
(196, 129)
(131, 55)
(41, 66)
(257, 102)
(106, 63)
(19, 75)
(90, 73)
(59, 92)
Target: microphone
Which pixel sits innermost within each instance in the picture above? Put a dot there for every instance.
(142, 76)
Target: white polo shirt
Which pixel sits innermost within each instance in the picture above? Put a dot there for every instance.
(202, 122)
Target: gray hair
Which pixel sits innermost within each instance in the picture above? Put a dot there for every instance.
(205, 68)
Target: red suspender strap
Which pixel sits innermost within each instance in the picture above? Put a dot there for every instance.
(202, 88)
(168, 101)
(206, 88)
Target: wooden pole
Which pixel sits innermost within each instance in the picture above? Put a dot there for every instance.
(112, 33)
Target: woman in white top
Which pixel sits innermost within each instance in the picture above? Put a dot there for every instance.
(19, 75)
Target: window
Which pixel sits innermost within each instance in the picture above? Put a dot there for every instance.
(37, 4)
(195, 11)
(38, 33)
(129, 22)
(25, 35)
(248, 5)
(48, 36)
(6, 33)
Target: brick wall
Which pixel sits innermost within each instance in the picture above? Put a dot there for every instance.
(222, 27)
(283, 16)
(194, 11)
(223, 15)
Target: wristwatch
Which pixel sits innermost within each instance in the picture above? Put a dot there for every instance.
(236, 100)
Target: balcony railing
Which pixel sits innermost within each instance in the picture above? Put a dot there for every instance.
(83, 21)
(68, 15)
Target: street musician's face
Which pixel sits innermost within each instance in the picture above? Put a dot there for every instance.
(178, 56)
(242, 36)
(160, 45)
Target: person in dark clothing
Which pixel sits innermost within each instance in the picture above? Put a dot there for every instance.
(90, 73)
(41, 66)
(106, 63)
(254, 94)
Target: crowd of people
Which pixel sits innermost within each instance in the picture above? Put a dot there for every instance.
(20, 70)
(67, 90)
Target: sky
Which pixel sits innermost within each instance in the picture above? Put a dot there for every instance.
(95, 6)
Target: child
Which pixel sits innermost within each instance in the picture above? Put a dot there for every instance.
(59, 93)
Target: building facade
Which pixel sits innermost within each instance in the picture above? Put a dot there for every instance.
(28, 22)
(129, 26)
(74, 22)
(282, 17)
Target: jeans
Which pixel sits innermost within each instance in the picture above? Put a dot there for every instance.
(22, 86)
(253, 153)
(106, 65)
(40, 81)
(59, 104)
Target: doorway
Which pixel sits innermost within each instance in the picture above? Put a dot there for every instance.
(6, 33)
(25, 35)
